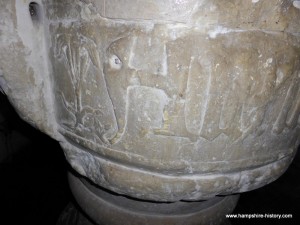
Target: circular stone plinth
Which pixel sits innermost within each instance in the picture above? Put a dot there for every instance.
(107, 208)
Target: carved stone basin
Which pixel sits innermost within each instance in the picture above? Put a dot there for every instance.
(159, 100)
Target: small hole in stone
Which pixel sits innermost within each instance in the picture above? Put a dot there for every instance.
(117, 61)
(33, 10)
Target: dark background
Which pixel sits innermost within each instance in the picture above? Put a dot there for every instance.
(34, 188)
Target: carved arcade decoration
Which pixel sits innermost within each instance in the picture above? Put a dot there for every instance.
(147, 88)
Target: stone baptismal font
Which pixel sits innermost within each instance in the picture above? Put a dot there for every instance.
(165, 109)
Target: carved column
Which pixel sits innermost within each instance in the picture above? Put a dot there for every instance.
(160, 105)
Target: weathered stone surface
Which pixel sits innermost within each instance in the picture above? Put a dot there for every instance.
(173, 100)
(24, 72)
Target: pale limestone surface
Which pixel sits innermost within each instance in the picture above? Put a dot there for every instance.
(160, 100)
